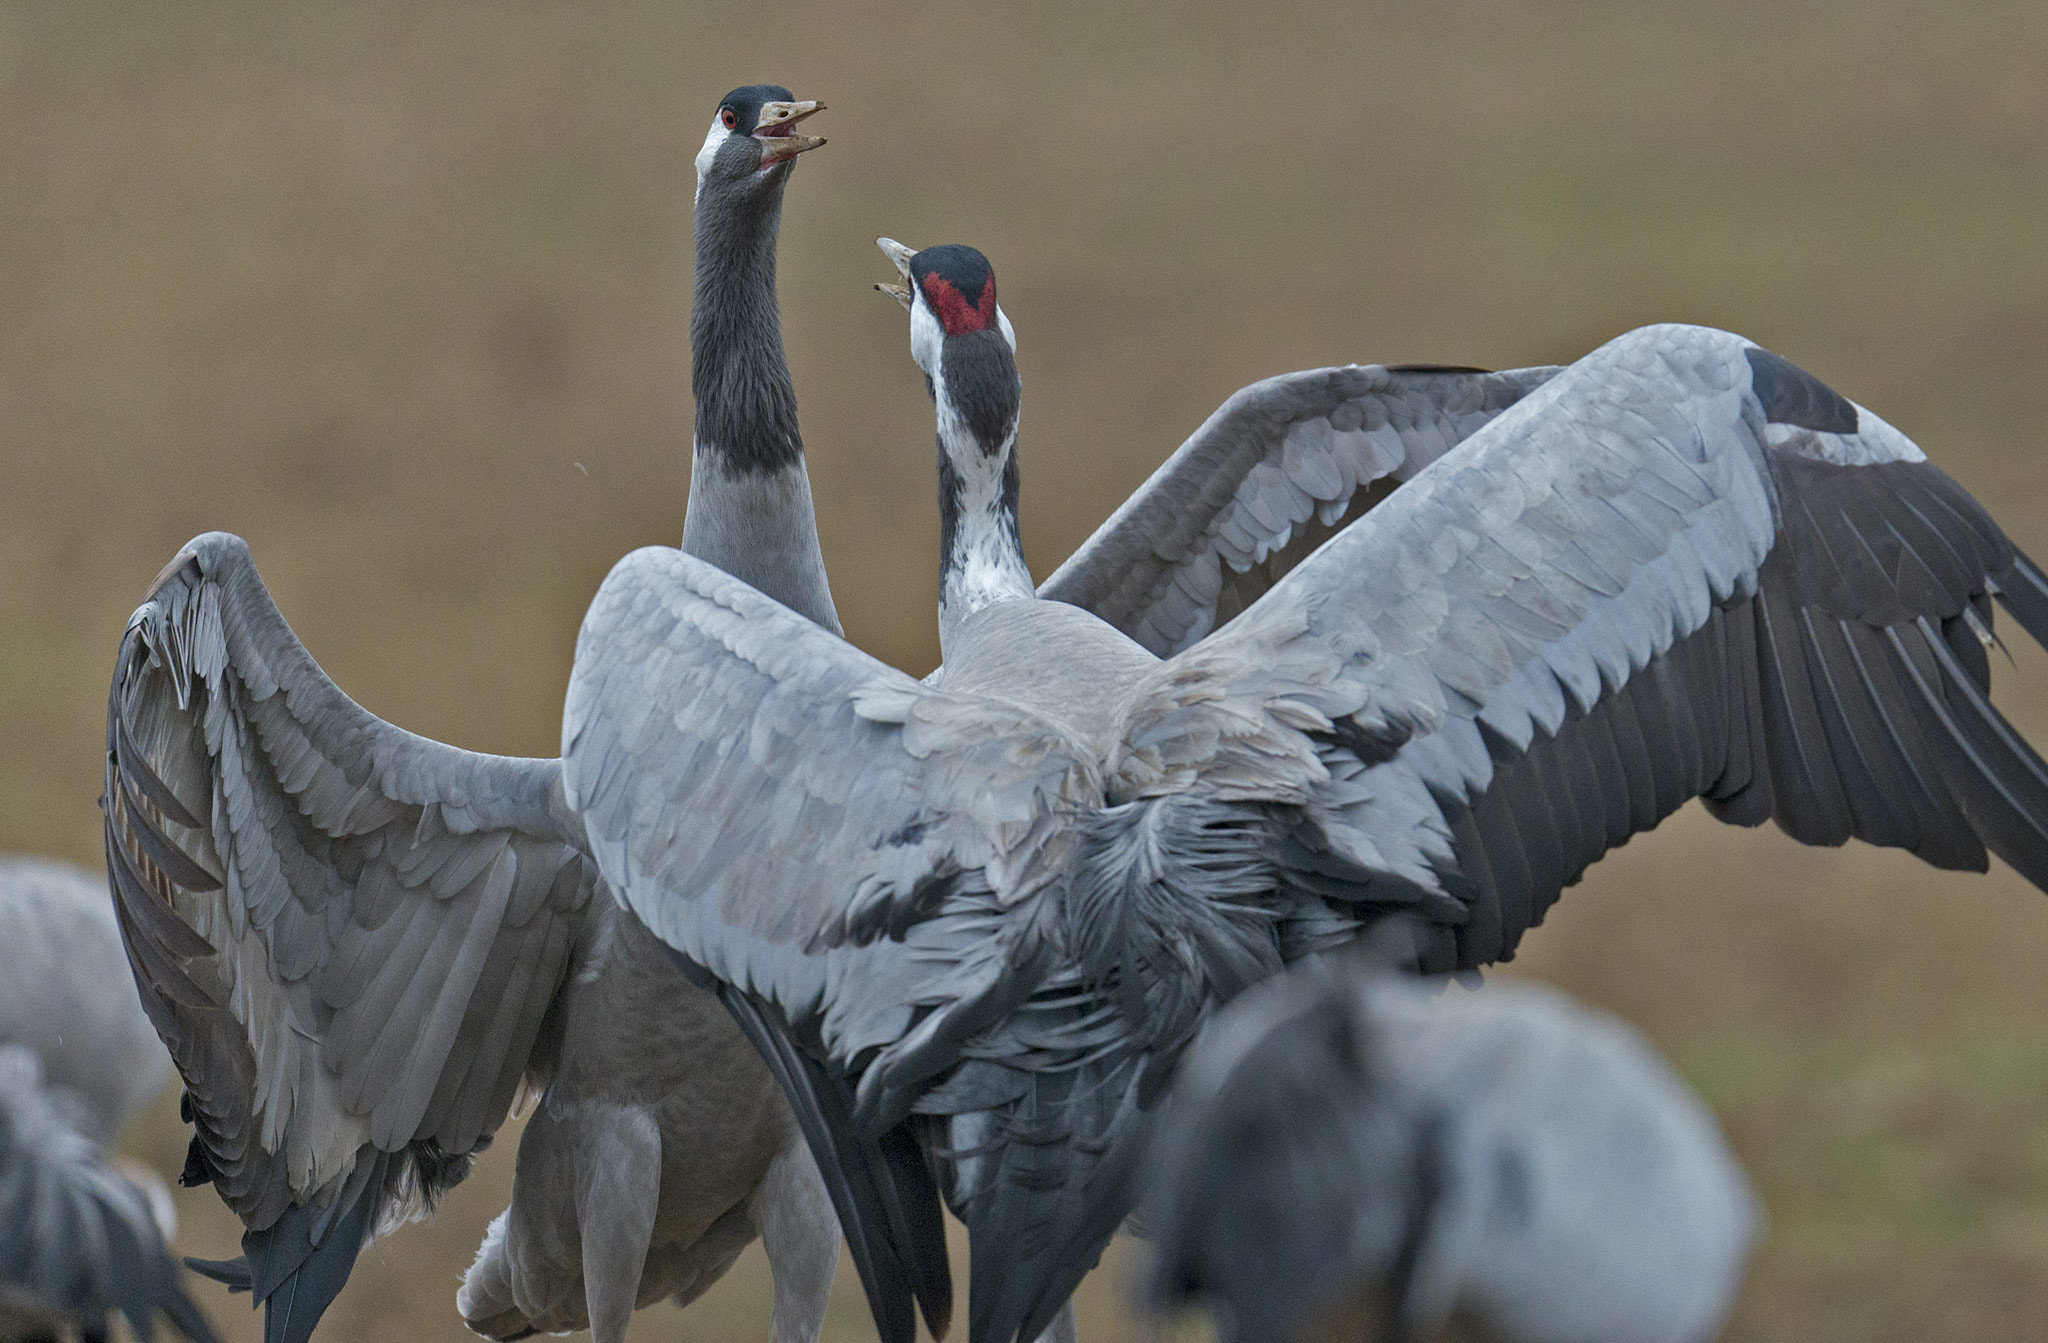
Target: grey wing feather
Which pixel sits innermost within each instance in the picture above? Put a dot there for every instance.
(1653, 578)
(347, 934)
(78, 1242)
(838, 847)
(772, 802)
(1277, 470)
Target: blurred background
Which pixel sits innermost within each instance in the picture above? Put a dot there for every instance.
(401, 294)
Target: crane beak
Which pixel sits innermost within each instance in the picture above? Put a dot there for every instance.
(775, 130)
(899, 256)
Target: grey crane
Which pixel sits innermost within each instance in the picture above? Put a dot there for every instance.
(63, 997)
(357, 942)
(1347, 1138)
(79, 1242)
(1681, 567)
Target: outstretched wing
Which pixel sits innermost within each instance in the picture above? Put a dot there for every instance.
(1282, 466)
(347, 935)
(1683, 567)
(851, 856)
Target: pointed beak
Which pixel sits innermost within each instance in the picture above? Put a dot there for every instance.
(899, 256)
(776, 130)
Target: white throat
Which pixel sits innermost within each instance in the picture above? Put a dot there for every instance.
(984, 559)
(713, 139)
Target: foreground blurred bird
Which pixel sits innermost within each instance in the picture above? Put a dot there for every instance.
(357, 942)
(979, 917)
(64, 995)
(79, 1242)
(1506, 1156)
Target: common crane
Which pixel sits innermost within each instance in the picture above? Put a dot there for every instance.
(64, 996)
(1681, 567)
(79, 1242)
(359, 944)
(1347, 1141)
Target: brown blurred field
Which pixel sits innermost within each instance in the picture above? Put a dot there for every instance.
(401, 294)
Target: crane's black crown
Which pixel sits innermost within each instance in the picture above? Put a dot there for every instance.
(959, 285)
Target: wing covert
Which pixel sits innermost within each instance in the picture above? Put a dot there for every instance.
(347, 934)
(1278, 469)
(780, 807)
(842, 851)
(1677, 569)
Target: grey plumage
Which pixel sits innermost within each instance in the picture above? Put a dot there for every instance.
(1506, 1156)
(360, 944)
(78, 1242)
(1281, 467)
(1629, 585)
(63, 997)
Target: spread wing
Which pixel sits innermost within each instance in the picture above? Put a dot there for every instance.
(347, 935)
(1282, 466)
(1683, 567)
(853, 857)
(78, 1242)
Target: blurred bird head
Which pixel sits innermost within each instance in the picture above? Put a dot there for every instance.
(961, 338)
(1280, 1102)
(752, 142)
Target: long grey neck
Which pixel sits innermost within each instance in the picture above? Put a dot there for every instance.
(981, 555)
(750, 510)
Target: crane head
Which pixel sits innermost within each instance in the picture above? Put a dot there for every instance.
(753, 136)
(963, 341)
(950, 290)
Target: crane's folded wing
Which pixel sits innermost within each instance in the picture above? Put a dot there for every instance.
(347, 934)
(1277, 470)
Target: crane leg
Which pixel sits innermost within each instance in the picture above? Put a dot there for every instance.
(620, 1187)
(800, 1232)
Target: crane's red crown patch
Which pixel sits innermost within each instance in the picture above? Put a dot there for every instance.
(954, 312)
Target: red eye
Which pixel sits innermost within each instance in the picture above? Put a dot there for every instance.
(729, 117)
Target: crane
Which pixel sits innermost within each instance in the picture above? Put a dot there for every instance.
(360, 944)
(1346, 1136)
(1680, 567)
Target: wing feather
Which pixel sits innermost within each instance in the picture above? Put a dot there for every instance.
(1632, 587)
(319, 907)
(850, 854)
(1276, 471)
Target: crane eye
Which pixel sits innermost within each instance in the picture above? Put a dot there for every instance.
(729, 117)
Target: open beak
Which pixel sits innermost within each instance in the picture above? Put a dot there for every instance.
(899, 256)
(776, 130)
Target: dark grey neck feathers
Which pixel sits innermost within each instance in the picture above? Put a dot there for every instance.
(750, 507)
(746, 405)
(982, 383)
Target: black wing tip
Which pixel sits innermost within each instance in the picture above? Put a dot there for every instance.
(2023, 591)
(1791, 395)
(874, 1190)
(232, 1274)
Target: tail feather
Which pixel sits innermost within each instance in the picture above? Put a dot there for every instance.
(887, 1203)
(1038, 1164)
(290, 1274)
(2024, 592)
